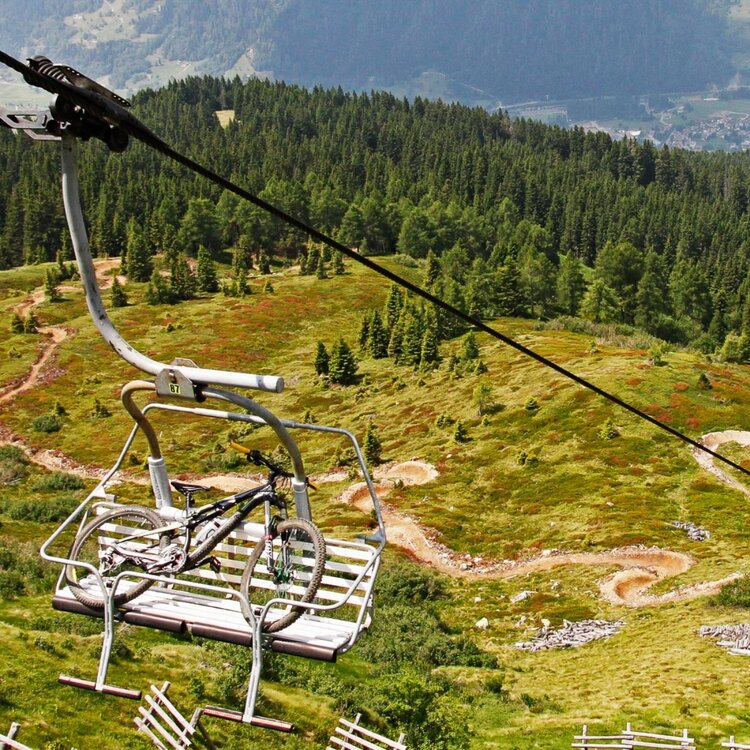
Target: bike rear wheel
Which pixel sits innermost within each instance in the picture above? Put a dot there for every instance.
(96, 545)
(298, 562)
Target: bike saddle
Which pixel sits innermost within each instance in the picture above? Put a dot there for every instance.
(188, 489)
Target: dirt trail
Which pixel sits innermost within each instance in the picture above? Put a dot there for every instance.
(714, 440)
(642, 567)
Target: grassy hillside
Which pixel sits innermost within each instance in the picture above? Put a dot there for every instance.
(575, 490)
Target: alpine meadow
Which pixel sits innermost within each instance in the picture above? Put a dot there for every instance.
(523, 511)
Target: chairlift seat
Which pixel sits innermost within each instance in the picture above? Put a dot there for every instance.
(175, 607)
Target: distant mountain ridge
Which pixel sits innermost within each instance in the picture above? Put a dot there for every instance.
(484, 51)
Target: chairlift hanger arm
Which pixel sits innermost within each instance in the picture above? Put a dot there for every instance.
(109, 111)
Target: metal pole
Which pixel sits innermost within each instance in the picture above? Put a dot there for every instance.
(74, 215)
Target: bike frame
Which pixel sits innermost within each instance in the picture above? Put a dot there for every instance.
(264, 495)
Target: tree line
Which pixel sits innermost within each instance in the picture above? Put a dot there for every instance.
(507, 217)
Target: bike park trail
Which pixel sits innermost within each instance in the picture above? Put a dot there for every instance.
(641, 567)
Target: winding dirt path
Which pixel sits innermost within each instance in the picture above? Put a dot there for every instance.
(642, 567)
(714, 440)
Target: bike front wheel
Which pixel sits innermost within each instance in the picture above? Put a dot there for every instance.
(294, 572)
(105, 542)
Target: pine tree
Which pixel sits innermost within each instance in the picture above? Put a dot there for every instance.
(338, 263)
(321, 272)
(51, 291)
(205, 274)
(16, 323)
(264, 262)
(268, 287)
(138, 263)
(30, 324)
(118, 297)
(372, 447)
(181, 280)
(432, 270)
(377, 339)
(321, 359)
(158, 291)
(342, 366)
(470, 348)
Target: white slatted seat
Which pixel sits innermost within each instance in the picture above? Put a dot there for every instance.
(732, 744)
(350, 735)
(8, 741)
(323, 635)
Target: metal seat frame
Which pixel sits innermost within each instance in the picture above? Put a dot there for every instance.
(181, 379)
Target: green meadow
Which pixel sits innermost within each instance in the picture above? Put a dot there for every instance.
(537, 472)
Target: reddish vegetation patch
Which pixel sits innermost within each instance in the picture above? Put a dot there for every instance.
(637, 470)
(676, 401)
(692, 422)
(658, 412)
(617, 460)
(634, 381)
(681, 386)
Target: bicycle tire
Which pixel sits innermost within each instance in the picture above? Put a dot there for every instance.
(87, 548)
(297, 578)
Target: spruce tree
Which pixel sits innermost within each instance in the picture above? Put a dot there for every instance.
(470, 348)
(393, 306)
(16, 323)
(181, 280)
(138, 263)
(430, 354)
(30, 325)
(313, 261)
(321, 359)
(321, 272)
(158, 291)
(342, 366)
(377, 340)
(264, 262)
(51, 291)
(338, 263)
(372, 447)
(364, 331)
(432, 270)
(205, 273)
(118, 297)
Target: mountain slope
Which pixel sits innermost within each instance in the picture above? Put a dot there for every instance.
(490, 51)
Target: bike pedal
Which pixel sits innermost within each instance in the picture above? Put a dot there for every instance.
(215, 564)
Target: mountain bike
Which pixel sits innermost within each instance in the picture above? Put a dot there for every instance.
(133, 539)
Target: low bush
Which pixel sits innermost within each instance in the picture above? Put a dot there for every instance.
(734, 594)
(58, 481)
(46, 423)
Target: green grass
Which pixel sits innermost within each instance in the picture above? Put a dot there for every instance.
(583, 493)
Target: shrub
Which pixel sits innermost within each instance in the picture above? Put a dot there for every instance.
(58, 480)
(608, 431)
(460, 433)
(46, 511)
(46, 423)
(704, 383)
(532, 404)
(734, 594)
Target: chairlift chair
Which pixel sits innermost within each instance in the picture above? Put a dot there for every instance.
(201, 604)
